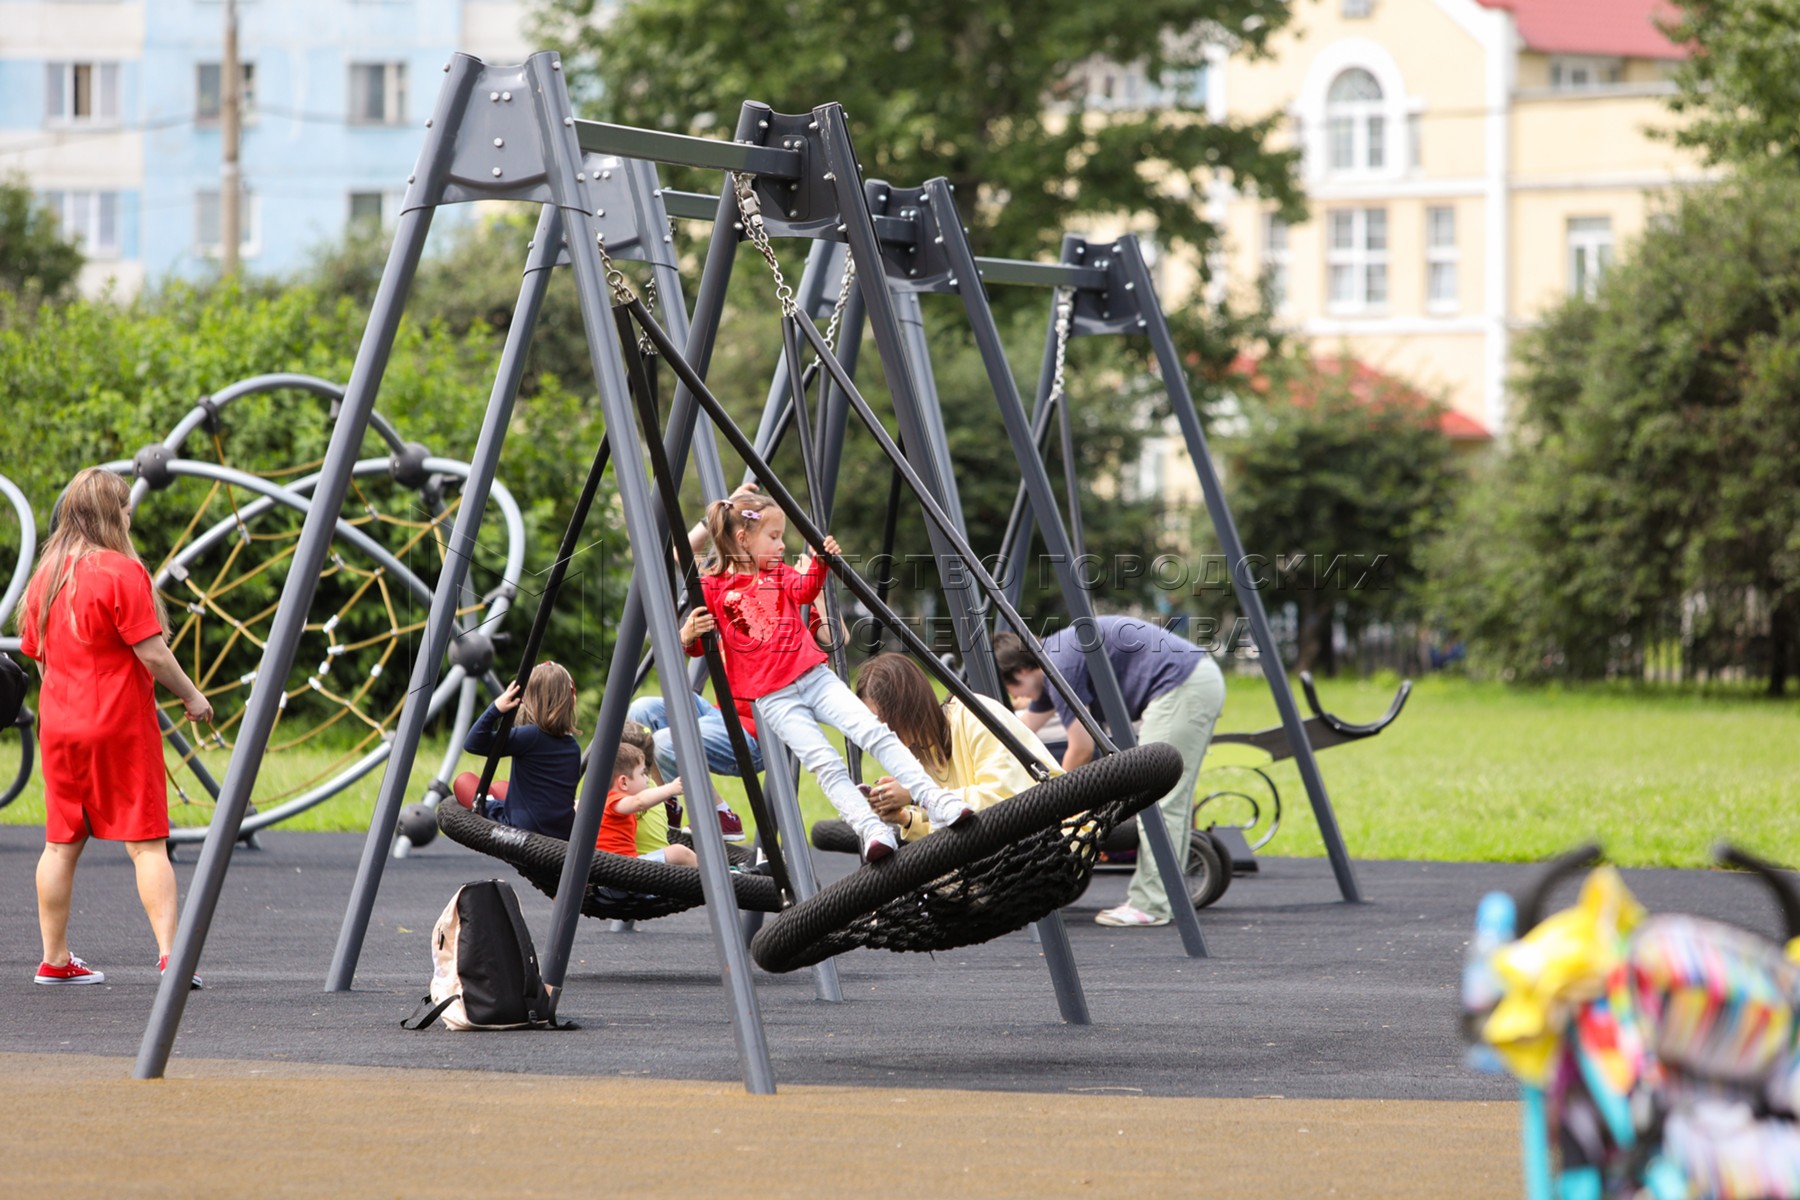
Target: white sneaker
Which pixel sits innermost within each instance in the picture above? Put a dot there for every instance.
(946, 811)
(878, 843)
(1125, 917)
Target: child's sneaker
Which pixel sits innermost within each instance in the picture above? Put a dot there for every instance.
(162, 965)
(73, 971)
(731, 826)
(878, 844)
(946, 811)
(1127, 917)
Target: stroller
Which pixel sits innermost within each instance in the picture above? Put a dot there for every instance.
(1656, 1055)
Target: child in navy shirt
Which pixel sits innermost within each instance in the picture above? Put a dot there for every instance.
(547, 759)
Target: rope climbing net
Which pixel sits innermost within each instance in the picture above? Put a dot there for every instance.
(238, 531)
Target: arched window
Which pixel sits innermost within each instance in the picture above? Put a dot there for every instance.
(1355, 127)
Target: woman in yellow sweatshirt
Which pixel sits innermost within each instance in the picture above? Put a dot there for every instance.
(956, 749)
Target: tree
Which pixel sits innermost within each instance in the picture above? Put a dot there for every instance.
(1338, 478)
(991, 96)
(1739, 90)
(37, 260)
(1654, 476)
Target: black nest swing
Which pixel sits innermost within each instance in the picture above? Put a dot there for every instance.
(1015, 863)
(618, 888)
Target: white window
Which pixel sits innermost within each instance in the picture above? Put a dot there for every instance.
(91, 218)
(1590, 253)
(81, 93)
(1574, 73)
(1440, 259)
(376, 210)
(209, 93)
(1275, 258)
(378, 93)
(1355, 123)
(206, 223)
(1356, 259)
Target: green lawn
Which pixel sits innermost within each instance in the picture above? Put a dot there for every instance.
(1470, 771)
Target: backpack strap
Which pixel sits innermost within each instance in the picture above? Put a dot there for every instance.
(427, 1012)
(537, 999)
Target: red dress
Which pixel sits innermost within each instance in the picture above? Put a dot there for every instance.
(767, 643)
(102, 749)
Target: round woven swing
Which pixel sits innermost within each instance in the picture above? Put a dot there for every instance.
(1013, 864)
(618, 888)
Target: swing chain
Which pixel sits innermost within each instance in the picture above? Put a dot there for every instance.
(646, 347)
(843, 301)
(615, 278)
(1065, 310)
(751, 209)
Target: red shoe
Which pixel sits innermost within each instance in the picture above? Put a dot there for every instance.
(878, 847)
(731, 825)
(73, 971)
(162, 965)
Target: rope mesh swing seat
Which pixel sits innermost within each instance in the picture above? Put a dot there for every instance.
(1014, 864)
(618, 888)
(14, 714)
(216, 577)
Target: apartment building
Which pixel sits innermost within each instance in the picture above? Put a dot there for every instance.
(1467, 163)
(110, 111)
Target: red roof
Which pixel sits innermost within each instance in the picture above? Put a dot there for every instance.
(1370, 386)
(1625, 28)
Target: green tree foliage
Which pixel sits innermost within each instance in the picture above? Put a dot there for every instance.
(1739, 92)
(37, 260)
(1338, 476)
(987, 95)
(1652, 489)
(94, 381)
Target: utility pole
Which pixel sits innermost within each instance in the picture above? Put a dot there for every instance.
(231, 187)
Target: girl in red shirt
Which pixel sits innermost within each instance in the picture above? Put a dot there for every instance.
(777, 672)
(96, 627)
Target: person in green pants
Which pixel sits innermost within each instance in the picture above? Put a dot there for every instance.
(1173, 686)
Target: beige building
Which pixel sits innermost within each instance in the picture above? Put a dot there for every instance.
(1468, 163)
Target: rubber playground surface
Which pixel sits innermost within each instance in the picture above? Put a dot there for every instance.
(1314, 1053)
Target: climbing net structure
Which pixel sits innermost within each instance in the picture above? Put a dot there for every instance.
(220, 577)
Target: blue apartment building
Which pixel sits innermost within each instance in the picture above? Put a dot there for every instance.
(111, 112)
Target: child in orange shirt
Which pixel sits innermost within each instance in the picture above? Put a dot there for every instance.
(629, 795)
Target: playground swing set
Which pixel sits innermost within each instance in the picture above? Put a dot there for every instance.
(507, 132)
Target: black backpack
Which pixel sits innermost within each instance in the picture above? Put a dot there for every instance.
(484, 967)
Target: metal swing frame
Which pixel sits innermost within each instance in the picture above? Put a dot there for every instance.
(507, 132)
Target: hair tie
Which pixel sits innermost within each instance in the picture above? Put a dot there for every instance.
(749, 514)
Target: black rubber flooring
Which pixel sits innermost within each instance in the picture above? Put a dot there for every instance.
(1303, 996)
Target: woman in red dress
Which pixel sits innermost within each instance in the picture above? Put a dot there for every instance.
(94, 624)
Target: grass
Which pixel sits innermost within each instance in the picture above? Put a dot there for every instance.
(1469, 772)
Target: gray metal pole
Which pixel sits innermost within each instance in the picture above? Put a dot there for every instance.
(302, 578)
(1050, 933)
(651, 565)
(1056, 540)
(440, 621)
(784, 798)
(890, 343)
(628, 641)
(1175, 381)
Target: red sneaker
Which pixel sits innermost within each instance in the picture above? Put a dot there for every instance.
(73, 971)
(162, 965)
(731, 825)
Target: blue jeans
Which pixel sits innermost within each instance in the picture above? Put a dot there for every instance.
(795, 712)
(652, 712)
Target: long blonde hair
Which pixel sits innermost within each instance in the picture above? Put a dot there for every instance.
(89, 518)
(549, 700)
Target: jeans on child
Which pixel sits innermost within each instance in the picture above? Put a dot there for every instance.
(652, 713)
(819, 697)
